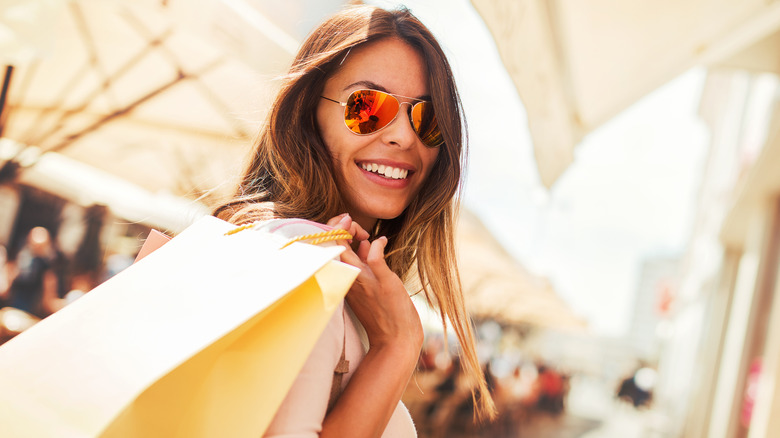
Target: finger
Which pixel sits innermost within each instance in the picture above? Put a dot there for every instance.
(363, 250)
(345, 223)
(358, 232)
(335, 220)
(376, 256)
(349, 257)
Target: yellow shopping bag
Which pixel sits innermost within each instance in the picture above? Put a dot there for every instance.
(203, 337)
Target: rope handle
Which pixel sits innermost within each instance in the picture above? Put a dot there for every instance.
(315, 239)
(240, 228)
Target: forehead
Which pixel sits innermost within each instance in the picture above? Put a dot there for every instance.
(391, 63)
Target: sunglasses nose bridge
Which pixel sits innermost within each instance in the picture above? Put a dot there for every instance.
(408, 111)
(411, 105)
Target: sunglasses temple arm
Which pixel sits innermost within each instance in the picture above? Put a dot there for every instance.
(334, 101)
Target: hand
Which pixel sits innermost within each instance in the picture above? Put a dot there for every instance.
(345, 222)
(378, 296)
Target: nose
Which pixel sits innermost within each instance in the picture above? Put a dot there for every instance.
(399, 132)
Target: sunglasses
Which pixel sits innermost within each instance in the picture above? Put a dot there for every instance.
(368, 111)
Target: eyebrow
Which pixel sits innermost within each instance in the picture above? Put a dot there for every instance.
(375, 86)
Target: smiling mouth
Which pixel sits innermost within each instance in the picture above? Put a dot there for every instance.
(388, 172)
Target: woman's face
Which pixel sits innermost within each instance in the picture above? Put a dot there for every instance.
(392, 66)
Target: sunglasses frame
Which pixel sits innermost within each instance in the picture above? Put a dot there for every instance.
(396, 97)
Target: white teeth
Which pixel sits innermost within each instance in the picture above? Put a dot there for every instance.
(386, 171)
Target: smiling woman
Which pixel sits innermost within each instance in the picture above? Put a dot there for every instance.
(366, 134)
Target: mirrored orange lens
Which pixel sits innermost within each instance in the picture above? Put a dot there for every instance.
(368, 111)
(425, 124)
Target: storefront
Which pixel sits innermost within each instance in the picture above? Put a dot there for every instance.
(750, 360)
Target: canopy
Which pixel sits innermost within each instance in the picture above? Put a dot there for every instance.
(167, 95)
(577, 63)
(496, 287)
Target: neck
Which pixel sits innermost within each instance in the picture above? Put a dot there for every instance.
(364, 221)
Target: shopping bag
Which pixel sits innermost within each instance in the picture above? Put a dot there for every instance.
(201, 338)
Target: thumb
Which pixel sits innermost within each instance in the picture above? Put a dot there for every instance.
(376, 257)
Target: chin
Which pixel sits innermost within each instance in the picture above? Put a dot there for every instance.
(389, 216)
(380, 207)
(386, 216)
(387, 213)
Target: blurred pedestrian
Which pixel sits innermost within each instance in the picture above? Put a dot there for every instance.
(637, 389)
(4, 273)
(551, 390)
(34, 284)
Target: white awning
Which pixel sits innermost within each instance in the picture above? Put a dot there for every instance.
(167, 95)
(578, 63)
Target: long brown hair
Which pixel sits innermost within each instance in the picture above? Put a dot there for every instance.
(290, 173)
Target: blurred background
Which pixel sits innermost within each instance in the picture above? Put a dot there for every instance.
(620, 235)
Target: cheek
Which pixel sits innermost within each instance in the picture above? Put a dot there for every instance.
(324, 126)
(332, 130)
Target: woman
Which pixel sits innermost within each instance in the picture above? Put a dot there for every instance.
(352, 140)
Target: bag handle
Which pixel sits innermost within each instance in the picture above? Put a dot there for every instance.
(315, 238)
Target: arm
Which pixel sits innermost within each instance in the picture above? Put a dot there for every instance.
(371, 397)
(395, 336)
